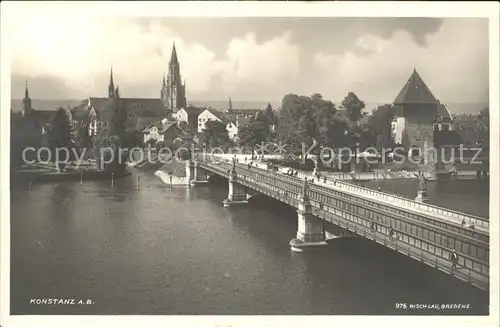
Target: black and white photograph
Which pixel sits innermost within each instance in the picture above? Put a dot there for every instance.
(213, 159)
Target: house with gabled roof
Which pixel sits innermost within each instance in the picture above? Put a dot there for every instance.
(210, 114)
(232, 125)
(189, 115)
(163, 130)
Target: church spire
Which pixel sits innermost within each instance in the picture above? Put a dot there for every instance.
(111, 87)
(26, 101)
(173, 57)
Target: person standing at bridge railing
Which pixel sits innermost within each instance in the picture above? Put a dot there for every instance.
(454, 260)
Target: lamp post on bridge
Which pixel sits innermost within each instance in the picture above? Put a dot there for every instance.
(422, 188)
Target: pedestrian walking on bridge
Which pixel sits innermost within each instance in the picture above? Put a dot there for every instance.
(454, 260)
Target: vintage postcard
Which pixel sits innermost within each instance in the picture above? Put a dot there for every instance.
(249, 163)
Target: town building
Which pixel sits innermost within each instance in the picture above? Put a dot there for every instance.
(232, 125)
(235, 125)
(162, 131)
(35, 121)
(211, 115)
(189, 115)
(141, 112)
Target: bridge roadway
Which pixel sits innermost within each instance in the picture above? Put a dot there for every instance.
(421, 231)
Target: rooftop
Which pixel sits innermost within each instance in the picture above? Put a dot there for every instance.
(415, 91)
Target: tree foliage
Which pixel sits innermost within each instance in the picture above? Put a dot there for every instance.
(216, 133)
(113, 139)
(132, 139)
(253, 133)
(268, 116)
(474, 127)
(378, 126)
(354, 106)
(60, 137)
(304, 119)
(60, 131)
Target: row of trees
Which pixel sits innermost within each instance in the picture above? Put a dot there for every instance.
(305, 119)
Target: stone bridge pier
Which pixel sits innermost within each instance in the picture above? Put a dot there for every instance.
(194, 174)
(310, 228)
(237, 193)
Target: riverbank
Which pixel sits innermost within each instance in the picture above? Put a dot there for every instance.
(172, 173)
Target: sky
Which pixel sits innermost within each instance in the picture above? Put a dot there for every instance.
(250, 59)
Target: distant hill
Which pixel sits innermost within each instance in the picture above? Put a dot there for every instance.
(37, 104)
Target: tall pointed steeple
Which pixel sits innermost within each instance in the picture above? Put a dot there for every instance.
(174, 96)
(111, 86)
(163, 90)
(26, 101)
(173, 57)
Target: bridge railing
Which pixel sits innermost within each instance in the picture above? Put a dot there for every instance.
(391, 198)
(460, 216)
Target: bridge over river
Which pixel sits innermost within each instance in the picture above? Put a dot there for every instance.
(452, 242)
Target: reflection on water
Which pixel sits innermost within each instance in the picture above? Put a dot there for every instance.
(161, 250)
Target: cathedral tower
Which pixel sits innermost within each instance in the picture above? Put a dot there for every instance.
(26, 102)
(173, 91)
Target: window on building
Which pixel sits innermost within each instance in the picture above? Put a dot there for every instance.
(445, 127)
(415, 151)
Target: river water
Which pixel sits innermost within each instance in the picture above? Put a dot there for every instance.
(156, 250)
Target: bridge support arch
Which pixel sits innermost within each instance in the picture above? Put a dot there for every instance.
(310, 228)
(237, 193)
